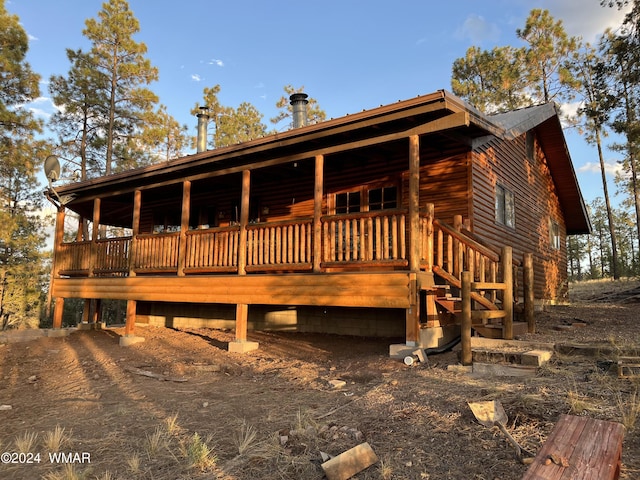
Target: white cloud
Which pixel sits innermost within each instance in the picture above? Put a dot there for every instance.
(195, 77)
(477, 30)
(215, 61)
(610, 167)
(586, 19)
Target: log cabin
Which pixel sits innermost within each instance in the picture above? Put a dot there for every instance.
(421, 219)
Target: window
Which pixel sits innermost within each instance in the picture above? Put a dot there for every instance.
(505, 207)
(347, 202)
(383, 198)
(530, 145)
(554, 234)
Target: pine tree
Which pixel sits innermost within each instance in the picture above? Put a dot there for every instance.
(22, 232)
(548, 57)
(230, 126)
(121, 60)
(78, 124)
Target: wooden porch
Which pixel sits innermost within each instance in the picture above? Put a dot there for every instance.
(351, 260)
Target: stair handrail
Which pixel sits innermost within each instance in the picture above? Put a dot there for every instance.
(485, 250)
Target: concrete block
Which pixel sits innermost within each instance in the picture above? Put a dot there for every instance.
(490, 369)
(57, 332)
(400, 350)
(86, 326)
(129, 340)
(535, 358)
(496, 344)
(242, 347)
(457, 368)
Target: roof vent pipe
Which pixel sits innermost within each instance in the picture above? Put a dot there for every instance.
(299, 103)
(203, 120)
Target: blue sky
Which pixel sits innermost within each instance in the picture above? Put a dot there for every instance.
(350, 55)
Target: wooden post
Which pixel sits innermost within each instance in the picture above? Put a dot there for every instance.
(86, 311)
(458, 251)
(414, 203)
(96, 313)
(412, 314)
(94, 236)
(57, 243)
(430, 253)
(135, 231)
(465, 326)
(318, 191)
(528, 290)
(57, 313)
(244, 221)
(184, 226)
(130, 324)
(95, 233)
(242, 316)
(507, 298)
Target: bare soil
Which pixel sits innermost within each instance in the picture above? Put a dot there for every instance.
(269, 414)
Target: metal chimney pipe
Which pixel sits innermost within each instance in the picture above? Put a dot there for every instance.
(299, 103)
(203, 120)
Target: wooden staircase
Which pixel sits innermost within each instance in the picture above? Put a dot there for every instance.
(486, 302)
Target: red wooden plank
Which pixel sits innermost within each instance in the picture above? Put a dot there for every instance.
(592, 449)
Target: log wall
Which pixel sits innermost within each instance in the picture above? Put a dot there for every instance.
(536, 201)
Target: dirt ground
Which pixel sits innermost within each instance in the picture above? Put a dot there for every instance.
(272, 414)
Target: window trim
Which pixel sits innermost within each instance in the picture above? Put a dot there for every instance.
(505, 207)
(554, 234)
(364, 195)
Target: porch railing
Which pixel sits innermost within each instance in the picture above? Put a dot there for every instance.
(212, 250)
(280, 245)
(74, 258)
(113, 256)
(365, 238)
(156, 252)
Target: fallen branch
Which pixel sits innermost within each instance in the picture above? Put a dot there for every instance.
(158, 376)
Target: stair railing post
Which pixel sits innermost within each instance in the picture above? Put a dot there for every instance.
(465, 324)
(429, 253)
(527, 285)
(458, 248)
(507, 298)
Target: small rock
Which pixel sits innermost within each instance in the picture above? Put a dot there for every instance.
(325, 456)
(335, 384)
(205, 404)
(32, 379)
(283, 440)
(5, 407)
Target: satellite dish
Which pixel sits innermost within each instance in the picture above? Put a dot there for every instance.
(52, 168)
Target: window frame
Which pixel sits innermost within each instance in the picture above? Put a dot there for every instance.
(505, 207)
(554, 234)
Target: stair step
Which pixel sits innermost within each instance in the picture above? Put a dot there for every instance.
(495, 330)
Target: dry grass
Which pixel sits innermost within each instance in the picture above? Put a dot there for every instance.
(198, 453)
(56, 439)
(245, 438)
(156, 442)
(68, 472)
(628, 404)
(26, 442)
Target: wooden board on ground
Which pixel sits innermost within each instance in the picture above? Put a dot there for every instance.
(579, 448)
